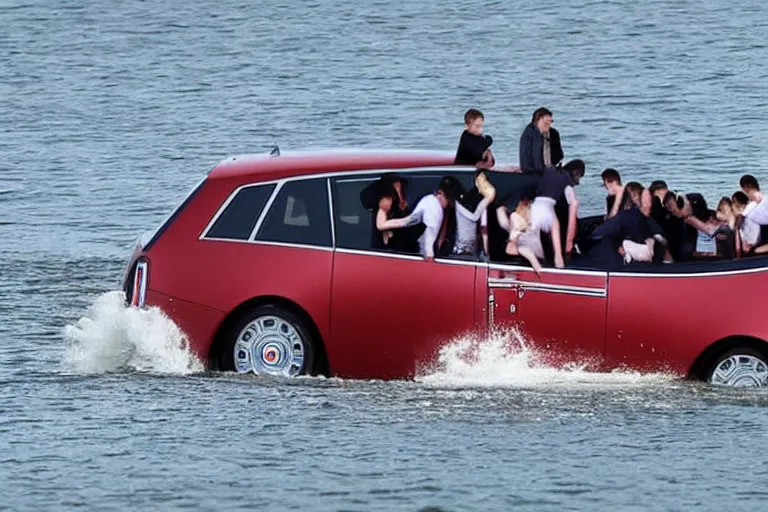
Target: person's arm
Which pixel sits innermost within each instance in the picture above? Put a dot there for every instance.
(758, 214)
(573, 218)
(384, 224)
(700, 226)
(502, 216)
(617, 203)
(474, 216)
(608, 229)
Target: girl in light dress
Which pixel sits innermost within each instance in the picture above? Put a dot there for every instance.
(524, 239)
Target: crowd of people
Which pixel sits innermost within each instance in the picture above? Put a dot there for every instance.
(640, 224)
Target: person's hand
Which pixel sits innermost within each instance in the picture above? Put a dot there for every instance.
(569, 246)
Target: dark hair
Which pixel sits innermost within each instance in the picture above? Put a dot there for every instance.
(657, 185)
(669, 196)
(632, 190)
(575, 166)
(472, 114)
(471, 199)
(610, 175)
(539, 113)
(725, 200)
(451, 187)
(740, 198)
(748, 181)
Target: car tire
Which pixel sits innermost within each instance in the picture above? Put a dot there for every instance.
(739, 367)
(268, 340)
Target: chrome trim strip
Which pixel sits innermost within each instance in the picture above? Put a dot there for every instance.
(235, 240)
(264, 211)
(331, 212)
(292, 245)
(721, 273)
(548, 270)
(396, 256)
(495, 282)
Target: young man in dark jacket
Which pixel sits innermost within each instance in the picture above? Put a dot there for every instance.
(540, 146)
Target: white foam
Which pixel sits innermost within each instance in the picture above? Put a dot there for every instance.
(113, 337)
(503, 360)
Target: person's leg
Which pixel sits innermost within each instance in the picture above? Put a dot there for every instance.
(557, 245)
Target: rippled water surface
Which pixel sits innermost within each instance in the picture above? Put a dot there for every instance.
(110, 112)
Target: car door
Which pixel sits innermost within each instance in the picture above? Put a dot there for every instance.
(560, 315)
(391, 312)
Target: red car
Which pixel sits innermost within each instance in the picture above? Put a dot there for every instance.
(268, 267)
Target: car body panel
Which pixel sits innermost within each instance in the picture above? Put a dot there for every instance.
(559, 315)
(387, 316)
(390, 315)
(663, 322)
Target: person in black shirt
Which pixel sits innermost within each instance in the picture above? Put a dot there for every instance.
(474, 146)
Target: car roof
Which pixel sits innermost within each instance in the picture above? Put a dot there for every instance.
(306, 163)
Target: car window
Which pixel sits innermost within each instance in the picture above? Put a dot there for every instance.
(355, 204)
(299, 215)
(239, 217)
(354, 222)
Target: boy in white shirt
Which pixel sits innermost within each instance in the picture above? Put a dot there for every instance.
(759, 213)
(749, 230)
(430, 211)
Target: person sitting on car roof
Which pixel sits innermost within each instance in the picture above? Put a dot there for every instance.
(540, 146)
(474, 145)
(429, 211)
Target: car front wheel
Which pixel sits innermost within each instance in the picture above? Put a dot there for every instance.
(269, 340)
(743, 367)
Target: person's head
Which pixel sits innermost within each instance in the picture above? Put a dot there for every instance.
(658, 188)
(750, 187)
(473, 121)
(739, 200)
(542, 119)
(725, 211)
(576, 169)
(523, 207)
(611, 180)
(633, 195)
(394, 183)
(449, 191)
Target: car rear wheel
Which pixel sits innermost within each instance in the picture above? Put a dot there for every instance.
(743, 367)
(269, 341)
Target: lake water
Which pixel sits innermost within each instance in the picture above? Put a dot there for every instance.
(110, 112)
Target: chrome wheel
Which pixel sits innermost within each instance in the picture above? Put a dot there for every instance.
(741, 371)
(269, 345)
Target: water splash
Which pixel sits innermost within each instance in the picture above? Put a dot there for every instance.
(113, 338)
(504, 360)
